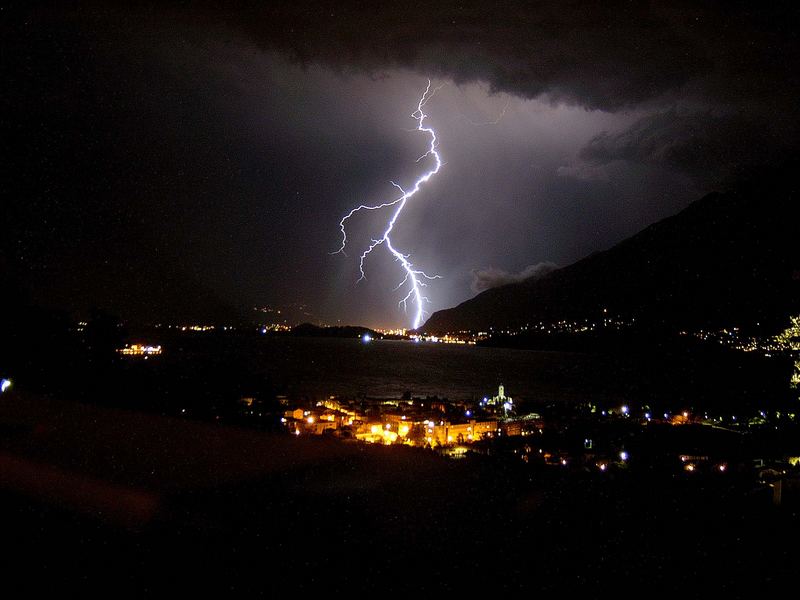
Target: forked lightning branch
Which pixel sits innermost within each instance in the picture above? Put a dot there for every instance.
(414, 279)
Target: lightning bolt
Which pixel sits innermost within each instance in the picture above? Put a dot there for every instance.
(414, 278)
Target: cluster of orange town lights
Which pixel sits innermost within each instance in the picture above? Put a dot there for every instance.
(140, 350)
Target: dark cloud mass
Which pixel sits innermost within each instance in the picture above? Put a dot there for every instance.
(605, 55)
(600, 55)
(703, 144)
(735, 57)
(154, 150)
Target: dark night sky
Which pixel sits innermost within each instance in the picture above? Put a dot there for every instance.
(164, 164)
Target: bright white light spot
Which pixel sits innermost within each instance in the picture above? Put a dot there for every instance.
(5, 384)
(366, 338)
(623, 455)
(624, 409)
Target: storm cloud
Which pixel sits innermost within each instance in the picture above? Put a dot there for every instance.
(600, 55)
(703, 144)
(610, 56)
(227, 144)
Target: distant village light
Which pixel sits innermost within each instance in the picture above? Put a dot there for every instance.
(140, 350)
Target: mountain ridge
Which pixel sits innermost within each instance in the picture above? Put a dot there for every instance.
(729, 257)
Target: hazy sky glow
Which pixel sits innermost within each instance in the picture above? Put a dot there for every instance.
(170, 153)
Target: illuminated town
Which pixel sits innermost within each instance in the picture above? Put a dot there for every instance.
(144, 350)
(576, 455)
(414, 422)
(583, 439)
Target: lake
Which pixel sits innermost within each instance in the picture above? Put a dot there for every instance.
(316, 367)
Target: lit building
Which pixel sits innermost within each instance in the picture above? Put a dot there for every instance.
(382, 433)
(527, 424)
(459, 433)
(500, 404)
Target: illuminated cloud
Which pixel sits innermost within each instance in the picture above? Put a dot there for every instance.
(484, 279)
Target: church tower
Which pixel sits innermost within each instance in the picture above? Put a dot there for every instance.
(500, 404)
